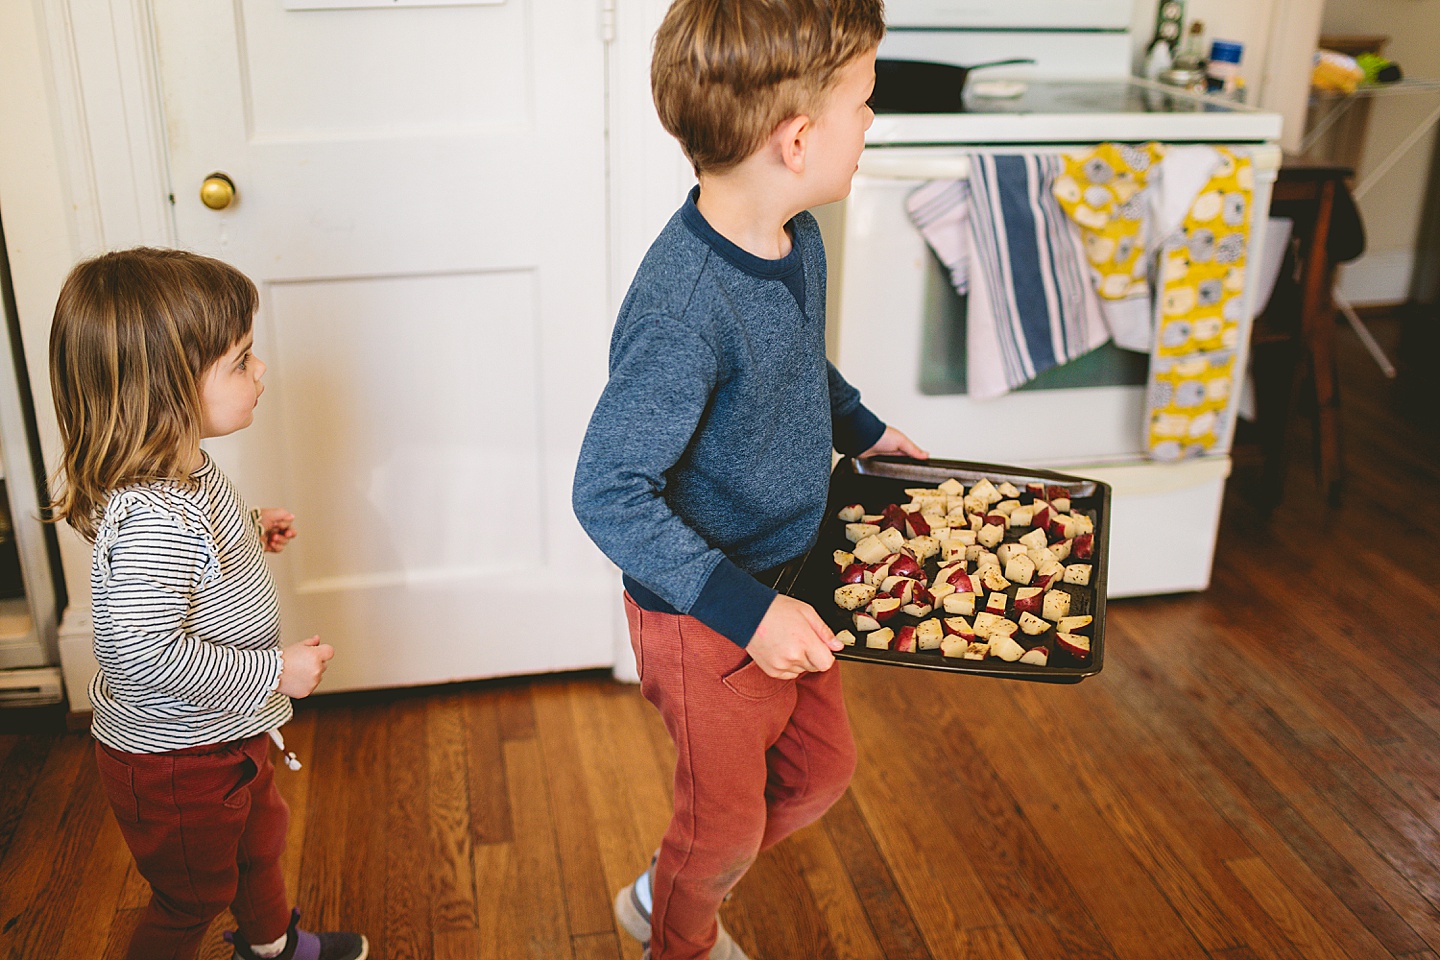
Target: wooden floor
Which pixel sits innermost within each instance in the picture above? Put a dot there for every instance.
(1255, 774)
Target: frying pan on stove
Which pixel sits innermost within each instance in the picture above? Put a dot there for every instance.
(921, 86)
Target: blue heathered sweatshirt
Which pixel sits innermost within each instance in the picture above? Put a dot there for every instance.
(707, 459)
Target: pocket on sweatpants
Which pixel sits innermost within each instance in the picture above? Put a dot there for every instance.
(118, 780)
(634, 619)
(752, 683)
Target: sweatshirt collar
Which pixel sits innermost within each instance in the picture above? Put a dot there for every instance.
(741, 259)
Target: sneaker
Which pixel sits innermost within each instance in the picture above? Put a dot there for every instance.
(304, 945)
(634, 917)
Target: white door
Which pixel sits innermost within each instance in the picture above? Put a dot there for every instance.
(421, 201)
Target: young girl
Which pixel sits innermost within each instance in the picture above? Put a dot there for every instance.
(150, 353)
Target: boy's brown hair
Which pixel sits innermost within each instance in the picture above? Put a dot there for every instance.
(134, 331)
(726, 73)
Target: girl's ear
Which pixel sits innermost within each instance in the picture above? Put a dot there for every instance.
(790, 140)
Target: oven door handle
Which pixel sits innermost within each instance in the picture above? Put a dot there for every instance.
(874, 163)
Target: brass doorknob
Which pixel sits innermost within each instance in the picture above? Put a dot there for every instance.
(218, 191)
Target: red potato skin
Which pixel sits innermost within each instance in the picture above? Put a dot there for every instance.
(883, 616)
(916, 525)
(855, 573)
(1084, 546)
(905, 640)
(906, 566)
(1029, 604)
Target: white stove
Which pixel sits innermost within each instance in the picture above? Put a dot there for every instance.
(894, 315)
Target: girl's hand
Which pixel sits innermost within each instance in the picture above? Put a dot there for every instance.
(893, 441)
(278, 527)
(303, 664)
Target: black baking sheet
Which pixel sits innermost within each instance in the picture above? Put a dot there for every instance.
(879, 481)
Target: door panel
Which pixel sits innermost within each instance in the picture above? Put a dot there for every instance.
(421, 201)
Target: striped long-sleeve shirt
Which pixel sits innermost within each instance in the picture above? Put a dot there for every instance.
(187, 623)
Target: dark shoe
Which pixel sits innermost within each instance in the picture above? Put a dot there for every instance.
(304, 945)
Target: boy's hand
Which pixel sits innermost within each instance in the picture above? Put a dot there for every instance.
(893, 441)
(278, 526)
(791, 640)
(303, 666)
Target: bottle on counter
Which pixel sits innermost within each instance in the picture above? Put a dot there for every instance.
(1192, 52)
(1222, 71)
(1158, 59)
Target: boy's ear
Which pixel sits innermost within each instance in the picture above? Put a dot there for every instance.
(791, 139)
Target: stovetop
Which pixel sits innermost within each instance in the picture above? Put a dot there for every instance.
(1079, 111)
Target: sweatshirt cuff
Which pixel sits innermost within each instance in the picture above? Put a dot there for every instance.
(732, 603)
(856, 431)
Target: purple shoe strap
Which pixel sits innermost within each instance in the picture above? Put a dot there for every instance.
(307, 946)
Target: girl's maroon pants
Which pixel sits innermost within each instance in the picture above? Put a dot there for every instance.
(207, 829)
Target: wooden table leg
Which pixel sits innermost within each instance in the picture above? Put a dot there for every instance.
(1317, 314)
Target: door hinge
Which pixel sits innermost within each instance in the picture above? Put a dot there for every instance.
(607, 21)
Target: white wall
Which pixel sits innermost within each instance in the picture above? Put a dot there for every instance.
(1392, 207)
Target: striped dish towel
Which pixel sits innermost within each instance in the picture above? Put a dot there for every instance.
(941, 209)
(1032, 303)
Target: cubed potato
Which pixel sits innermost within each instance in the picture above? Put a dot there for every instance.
(1056, 606)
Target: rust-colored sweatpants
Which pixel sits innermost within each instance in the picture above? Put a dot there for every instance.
(207, 829)
(758, 758)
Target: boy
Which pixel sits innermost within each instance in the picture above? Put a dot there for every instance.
(706, 464)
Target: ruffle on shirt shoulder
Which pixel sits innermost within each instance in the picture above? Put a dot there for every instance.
(166, 501)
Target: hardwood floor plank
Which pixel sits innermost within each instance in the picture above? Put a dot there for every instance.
(320, 889)
(92, 914)
(1372, 831)
(1155, 817)
(367, 879)
(452, 894)
(408, 882)
(1279, 835)
(628, 798)
(515, 877)
(294, 786)
(517, 717)
(837, 903)
(892, 925)
(1299, 924)
(924, 858)
(994, 943)
(24, 762)
(1136, 917)
(585, 890)
(121, 929)
(30, 862)
(1015, 869)
(596, 946)
(458, 945)
(773, 913)
(42, 925)
(485, 764)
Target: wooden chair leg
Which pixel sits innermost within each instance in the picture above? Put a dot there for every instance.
(1318, 318)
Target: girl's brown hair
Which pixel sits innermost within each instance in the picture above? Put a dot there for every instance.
(134, 331)
(726, 73)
